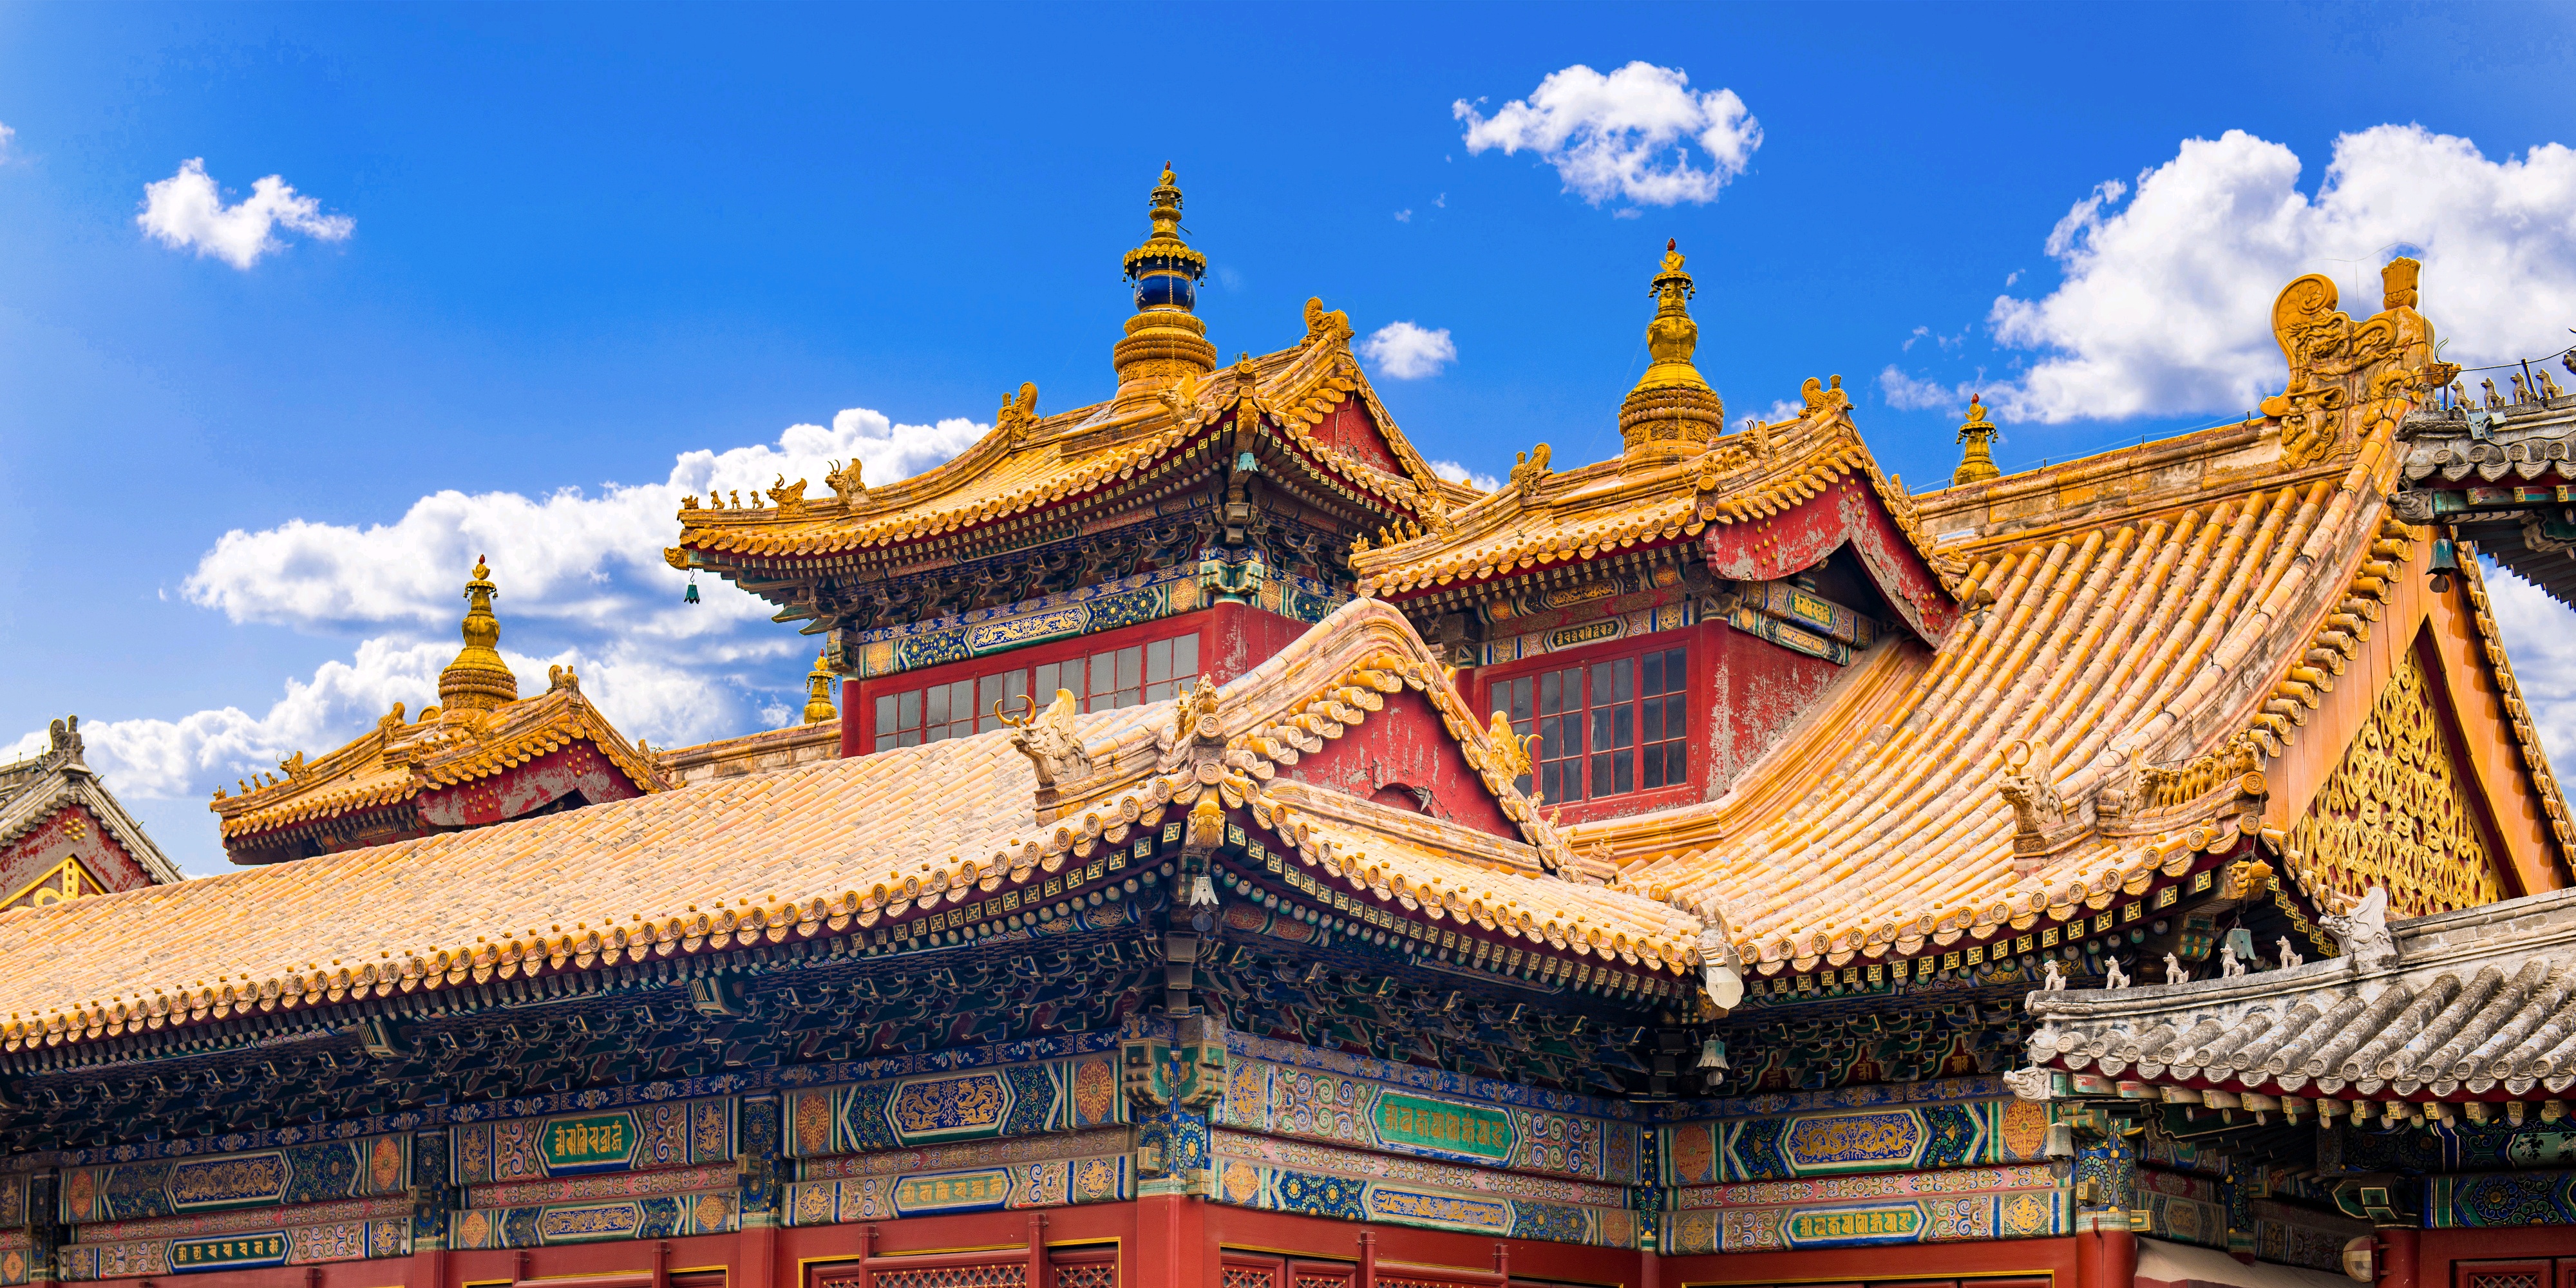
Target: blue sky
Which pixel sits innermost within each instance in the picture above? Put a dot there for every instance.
(534, 271)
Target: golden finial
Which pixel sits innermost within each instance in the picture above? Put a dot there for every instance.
(818, 693)
(478, 680)
(1672, 412)
(1978, 464)
(1164, 340)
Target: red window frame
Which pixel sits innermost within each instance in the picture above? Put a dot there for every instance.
(968, 689)
(1624, 723)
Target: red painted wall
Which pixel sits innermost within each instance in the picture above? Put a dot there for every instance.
(1233, 639)
(1406, 743)
(573, 767)
(41, 848)
(1756, 690)
(1348, 430)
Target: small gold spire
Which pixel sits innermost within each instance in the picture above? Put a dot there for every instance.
(1978, 464)
(478, 680)
(818, 694)
(1672, 412)
(1164, 340)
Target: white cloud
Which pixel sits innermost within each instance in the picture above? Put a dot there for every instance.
(186, 211)
(1456, 473)
(2540, 636)
(1403, 351)
(7, 137)
(2165, 301)
(1626, 135)
(1404, 216)
(1918, 333)
(583, 584)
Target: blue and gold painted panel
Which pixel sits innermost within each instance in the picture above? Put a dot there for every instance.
(310, 1173)
(1889, 1138)
(2019, 1202)
(673, 1134)
(660, 1216)
(1291, 1100)
(17, 1256)
(974, 1104)
(2300, 1237)
(1031, 1172)
(2182, 1207)
(306, 1234)
(1280, 1175)
(2490, 1200)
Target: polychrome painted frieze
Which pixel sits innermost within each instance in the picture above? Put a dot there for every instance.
(1617, 626)
(542, 1225)
(607, 1140)
(2300, 1237)
(1858, 1210)
(1288, 1100)
(1320, 1180)
(2181, 1207)
(244, 1240)
(1028, 1172)
(969, 1104)
(2493, 1200)
(297, 1174)
(1892, 1138)
(17, 1257)
(1087, 610)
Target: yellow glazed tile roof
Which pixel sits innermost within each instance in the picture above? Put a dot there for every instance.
(398, 760)
(803, 851)
(1028, 463)
(1877, 826)
(1539, 517)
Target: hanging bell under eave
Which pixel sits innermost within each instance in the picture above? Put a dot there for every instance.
(690, 595)
(1712, 1055)
(2446, 564)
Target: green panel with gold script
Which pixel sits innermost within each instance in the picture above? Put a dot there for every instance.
(1445, 1126)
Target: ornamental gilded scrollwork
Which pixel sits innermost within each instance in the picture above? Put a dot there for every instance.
(2396, 813)
(2348, 378)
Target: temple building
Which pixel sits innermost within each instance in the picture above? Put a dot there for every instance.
(1240, 858)
(63, 836)
(481, 755)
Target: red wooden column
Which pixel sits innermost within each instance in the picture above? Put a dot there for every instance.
(2398, 1262)
(2107, 1255)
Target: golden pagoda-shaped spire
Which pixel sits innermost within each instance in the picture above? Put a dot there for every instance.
(1672, 412)
(818, 693)
(478, 680)
(1978, 464)
(1165, 340)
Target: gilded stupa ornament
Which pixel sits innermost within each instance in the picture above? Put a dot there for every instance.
(1165, 340)
(1978, 434)
(818, 693)
(478, 680)
(1672, 413)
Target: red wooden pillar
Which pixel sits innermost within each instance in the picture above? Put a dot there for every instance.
(1037, 1253)
(2398, 1249)
(757, 1255)
(661, 1265)
(1368, 1260)
(2106, 1257)
(1161, 1257)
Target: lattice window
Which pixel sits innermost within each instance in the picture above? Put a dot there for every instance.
(1098, 1274)
(2500, 1279)
(1011, 1275)
(1341, 1280)
(2397, 813)
(1248, 1277)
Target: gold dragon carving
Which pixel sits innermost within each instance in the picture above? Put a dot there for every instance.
(2381, 366)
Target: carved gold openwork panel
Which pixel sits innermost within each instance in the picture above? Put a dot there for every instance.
(2397, 813)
